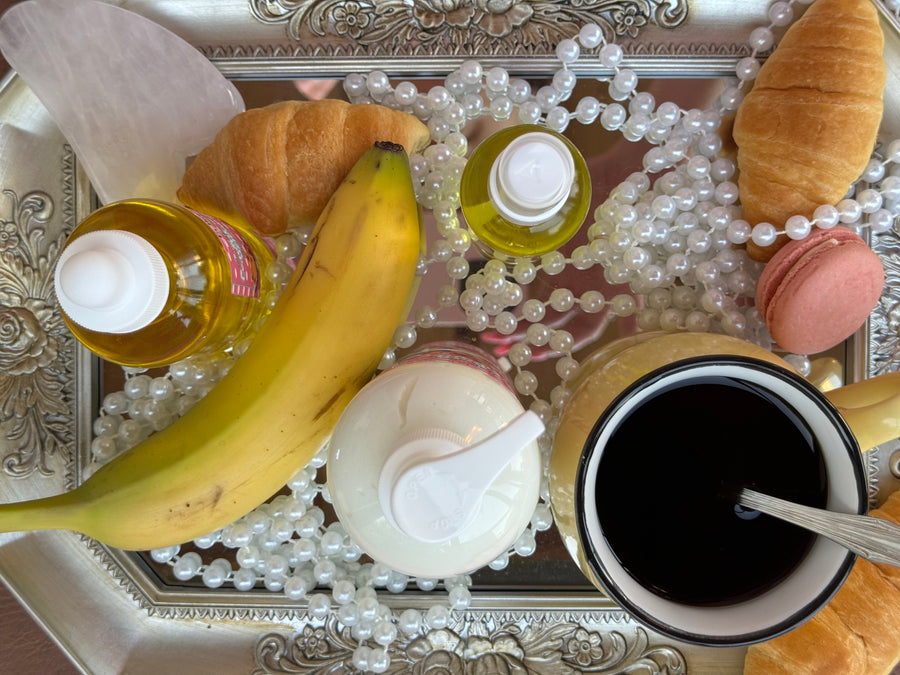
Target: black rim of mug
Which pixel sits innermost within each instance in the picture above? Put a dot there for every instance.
(605, 578)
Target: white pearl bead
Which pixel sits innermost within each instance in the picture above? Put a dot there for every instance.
(564, 81)
(893, 151)
(747, 68)
(164, 555)
(655, 160)
(874, 171)
(587, 110)
(623, 305)
(870, 200)
(850, 210)
(613, 116)
(457, 267)
(668, 113)
(354, 84)
(761, 39)
(538, 334)
(385, 633)
(378, 84)
(625, 80)
(764, 234)
(561, 341)
(471, 72)
(525, 545)
(501, 108)
(553, 263)
(826, 216)
(780, 13)
(591, 301)
(496, 79)
(244, 579)
(557, 119)
(529, 112)
(519, 90)
(590, 35)
(187, 566)
(697, 322)
(525, 382)
(437, 617)
(738, 231)
(405, 93)
(648, 319)
(500, 563)
(568, 51)
(478, 320)
(881, 221)
(409, 621)
(319, 605)
(797, 227)
(611, 55)
(730, 99)
(726, 193)
(642, 102)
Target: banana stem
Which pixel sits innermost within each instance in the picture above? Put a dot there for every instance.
(49, 513)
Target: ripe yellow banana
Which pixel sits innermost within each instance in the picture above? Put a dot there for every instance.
(279, 403)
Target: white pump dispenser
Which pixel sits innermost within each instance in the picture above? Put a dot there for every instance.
(432, 484)
(434, 468)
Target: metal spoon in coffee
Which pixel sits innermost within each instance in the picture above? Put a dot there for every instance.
(872, 538)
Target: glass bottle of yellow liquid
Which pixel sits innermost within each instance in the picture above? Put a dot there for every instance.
(525, 191)
(146, 283)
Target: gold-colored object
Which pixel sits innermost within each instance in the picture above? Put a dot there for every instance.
(272, 412)
(826, 374)
(806, 130)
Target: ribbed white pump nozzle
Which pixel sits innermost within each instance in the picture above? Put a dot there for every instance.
(432, 484)
(111, 281)
(531, 178)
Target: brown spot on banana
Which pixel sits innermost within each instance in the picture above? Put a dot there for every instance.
(325, 408)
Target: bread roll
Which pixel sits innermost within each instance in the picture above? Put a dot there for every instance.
(806, 130)
(274, 168)
(855, 634)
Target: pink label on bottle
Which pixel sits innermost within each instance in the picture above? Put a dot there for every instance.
(448, 351)
(244, 267)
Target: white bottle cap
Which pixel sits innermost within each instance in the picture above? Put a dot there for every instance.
(432, 484)
(111, 281)
(531, 178)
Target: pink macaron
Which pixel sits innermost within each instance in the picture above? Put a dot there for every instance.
(816, 292)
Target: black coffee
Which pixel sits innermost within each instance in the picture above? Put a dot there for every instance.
(666, 484)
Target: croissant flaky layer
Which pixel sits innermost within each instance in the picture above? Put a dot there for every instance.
(275, 168)
(806, 130)
(855, 634)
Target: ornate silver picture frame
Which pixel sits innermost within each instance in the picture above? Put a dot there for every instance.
(112, 611)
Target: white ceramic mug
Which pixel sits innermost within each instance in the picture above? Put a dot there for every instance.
(781, 607)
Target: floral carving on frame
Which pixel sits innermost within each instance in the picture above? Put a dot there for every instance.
(35, 404)
(400, 26)
(533, 647)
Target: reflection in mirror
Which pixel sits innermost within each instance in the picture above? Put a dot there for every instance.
(610, 159)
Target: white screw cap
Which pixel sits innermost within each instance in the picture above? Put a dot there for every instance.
(432, 484)
(531, 178)
(111, 281)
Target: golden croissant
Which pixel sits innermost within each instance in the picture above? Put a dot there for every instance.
(806, 130)
(854, 634)
(275, 168)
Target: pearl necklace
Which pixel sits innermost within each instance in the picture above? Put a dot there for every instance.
(671, 242)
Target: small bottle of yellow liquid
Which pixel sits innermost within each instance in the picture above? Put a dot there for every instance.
(525, 191)
(145, 283)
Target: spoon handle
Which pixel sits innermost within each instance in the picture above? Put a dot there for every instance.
(872, 538)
